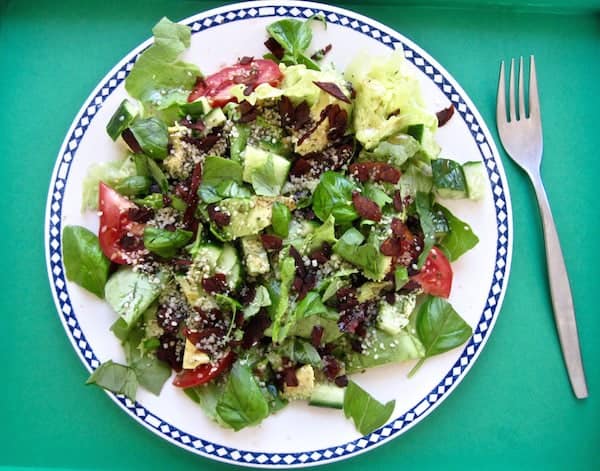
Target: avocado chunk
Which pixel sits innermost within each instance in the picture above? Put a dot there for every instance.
(249, 216)
(255, 256)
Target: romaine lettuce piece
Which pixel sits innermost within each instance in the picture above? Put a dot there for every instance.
(111, 173)
(388, 99)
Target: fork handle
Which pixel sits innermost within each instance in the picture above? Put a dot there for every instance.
(560, 292)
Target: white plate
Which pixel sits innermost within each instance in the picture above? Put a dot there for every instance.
(293, 436)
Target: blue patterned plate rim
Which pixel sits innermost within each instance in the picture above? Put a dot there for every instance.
(497, 179)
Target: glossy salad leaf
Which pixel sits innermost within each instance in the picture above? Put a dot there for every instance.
(85, 263)
(440, 328)
(310, 305)
(133, 186)
(207, 397)
(159, 79)
(459, 239)
(324, 233)
(281, 219)
(152, 136)
(242, 403)
(366, 412)
(295, 37)
(300, 351)
(165, 243)
(333, 196)
(115, 377)
(376, 194)
(159, 176)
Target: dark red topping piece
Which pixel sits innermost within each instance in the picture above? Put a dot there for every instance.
(271, 242)
(131, 141)
(140, 214)
(220, 218)
(443, 116)
(333, 90)
(215, 284)
(275, 48)
(375, 171)
(366, 208)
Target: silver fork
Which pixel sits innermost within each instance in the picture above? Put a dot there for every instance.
(522, 139)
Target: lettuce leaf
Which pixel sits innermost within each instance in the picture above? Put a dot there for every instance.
(159, 79)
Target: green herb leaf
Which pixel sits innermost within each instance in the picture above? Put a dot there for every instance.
(374, 264)
(376, 194)
(117, 378)
(400, 277)
(133, 186)
(84, 261)
(281, 219)
(242, 403)
(310, 305)
(152, 136)
(158, 79)
(367, 413)
(300, 351)
(283, 321)
(165, 243)
(158, 175)
(440, 328)
(460, 237)
(295, 37)
(333, 196)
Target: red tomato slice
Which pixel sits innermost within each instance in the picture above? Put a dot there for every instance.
(203, 373)
(436, 275)
(216, 86)
(115, 222)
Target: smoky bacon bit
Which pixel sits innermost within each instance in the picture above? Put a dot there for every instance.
(215, 284)
(333, 90)
(271, 242)
(275, 48)
(366, 208)
(443, 116)
(391, 247)
(375, 171)
(220, 218)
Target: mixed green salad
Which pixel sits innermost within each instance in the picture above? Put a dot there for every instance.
(273, 228)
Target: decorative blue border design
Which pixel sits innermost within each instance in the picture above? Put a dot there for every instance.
(401, 423)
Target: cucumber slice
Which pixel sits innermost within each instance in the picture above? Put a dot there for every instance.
(476, 178)
(448, 179)
(196, 108)
(327, 395)
(123, 117)
(229, 264)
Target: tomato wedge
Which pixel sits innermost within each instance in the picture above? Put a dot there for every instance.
(203, 373)
(115, 223)
(253, 73)
(436, 275)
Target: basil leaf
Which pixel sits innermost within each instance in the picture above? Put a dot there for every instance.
(84, 261)
(294, 37)
(158, 175)
(158, 79)
(165, 243)
(300, 351)
(324, 233)
(207, 396)
(154, 201)
(366, 412)
(310, 305)
(133, 186)
(440, 328)
(152, 136)
(423, 207)
(261, 299)
(460, 237)
(400, 277)
(242, 402)
(333, 196)
(281, 219)
(117, 378)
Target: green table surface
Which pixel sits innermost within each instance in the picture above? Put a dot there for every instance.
(515, 408)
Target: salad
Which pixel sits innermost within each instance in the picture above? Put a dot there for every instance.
(273, 228)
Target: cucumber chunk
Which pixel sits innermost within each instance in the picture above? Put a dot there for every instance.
(448, 179)
(327, 395)
(123, 117)
(476, 178)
